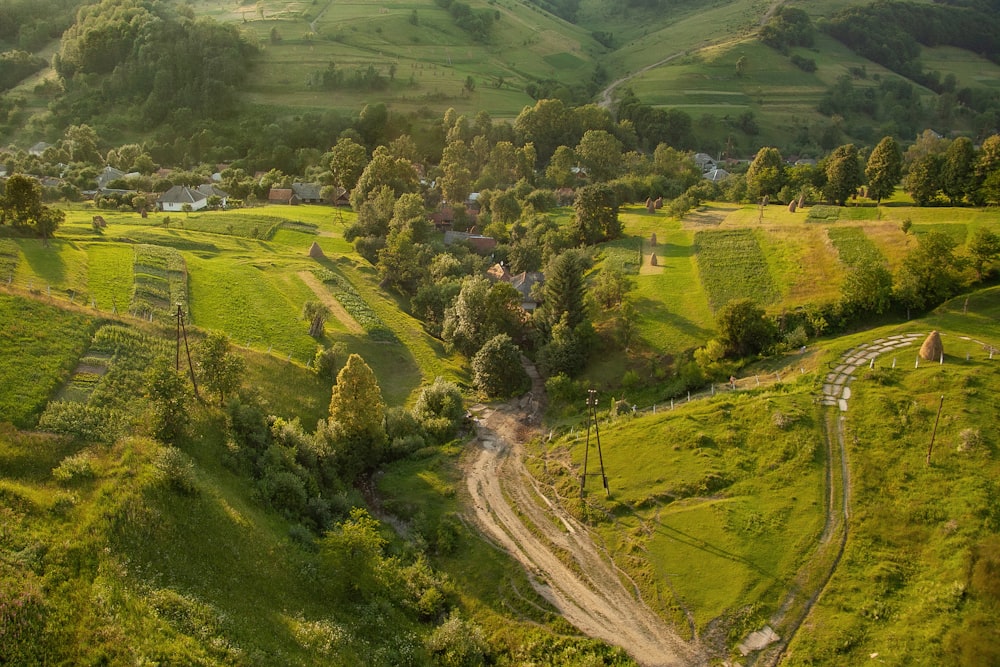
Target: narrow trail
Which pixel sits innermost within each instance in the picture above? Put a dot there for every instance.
(833, 539)
(511, 509)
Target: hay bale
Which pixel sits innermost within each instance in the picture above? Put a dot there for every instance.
(316, 252)
(652, 260)
(792, 205)
(652, 239)
(658, 202)
(649, 205)
(933, 348)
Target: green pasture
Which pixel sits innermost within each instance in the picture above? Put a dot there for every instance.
(970, 69)
(674, 314)
(40, 344)
(732, 266)
(110, 275)
(431, 62)
(245, 286)
(903, 589)
(853, 247)
(723, 497)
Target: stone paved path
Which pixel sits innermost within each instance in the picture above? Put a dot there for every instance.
(836, 385)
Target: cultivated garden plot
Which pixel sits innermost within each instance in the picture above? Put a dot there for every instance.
(732, 266)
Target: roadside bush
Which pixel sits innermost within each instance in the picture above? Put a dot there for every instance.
(457, 643)
(497, 370)
(440, 409)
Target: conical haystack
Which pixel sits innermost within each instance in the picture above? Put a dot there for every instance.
(652, 239)
(315, 251)
(652, 260)
(932, 349)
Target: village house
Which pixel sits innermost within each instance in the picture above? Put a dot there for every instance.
(481, 244)
(209, 190)
(308, 193)
(523, 282)
(283, 196)
(178, 196)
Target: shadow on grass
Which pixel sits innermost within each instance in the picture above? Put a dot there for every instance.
(45, 260)
(673, 320)
(702, 545)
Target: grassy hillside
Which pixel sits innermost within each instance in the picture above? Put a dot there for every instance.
(717, 504)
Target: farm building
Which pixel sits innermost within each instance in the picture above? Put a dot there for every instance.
(523, 282)
(308, 193)
(283, 196)
(176, 197)
(480, 244)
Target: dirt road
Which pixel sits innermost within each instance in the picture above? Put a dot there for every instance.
(512, 509)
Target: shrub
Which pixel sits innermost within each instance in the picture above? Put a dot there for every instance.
(176, 469)
(329, 360)
(74, 468)
(284, 491)
(457, 643)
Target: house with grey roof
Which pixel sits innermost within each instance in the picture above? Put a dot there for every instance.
(308, 193)
(176, 197)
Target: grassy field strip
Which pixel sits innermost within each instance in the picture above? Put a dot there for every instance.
(427, 352)
(803, 265)
(160, 281)
(341, 316)
(732, 266)
(346, 296)
(110, 275)
(256, 306)
(673, 308)
(39, 347)
(854, 247)
(60, 266)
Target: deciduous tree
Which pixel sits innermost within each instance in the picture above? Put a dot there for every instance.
(220, 369)
(884, 169)
(357, 417)
(984, 247)
(766, 174)
(743, 328)
(497, 370)
(597, 214)
(843, 174)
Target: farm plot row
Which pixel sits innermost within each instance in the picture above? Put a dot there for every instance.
(854, 246)
(732, 266)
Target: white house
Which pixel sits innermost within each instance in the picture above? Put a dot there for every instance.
(176, 197)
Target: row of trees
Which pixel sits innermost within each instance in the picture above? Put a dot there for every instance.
(932, 170)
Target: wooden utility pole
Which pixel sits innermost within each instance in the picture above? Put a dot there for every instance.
(182, 330)
(592, 418)
(930, 447)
